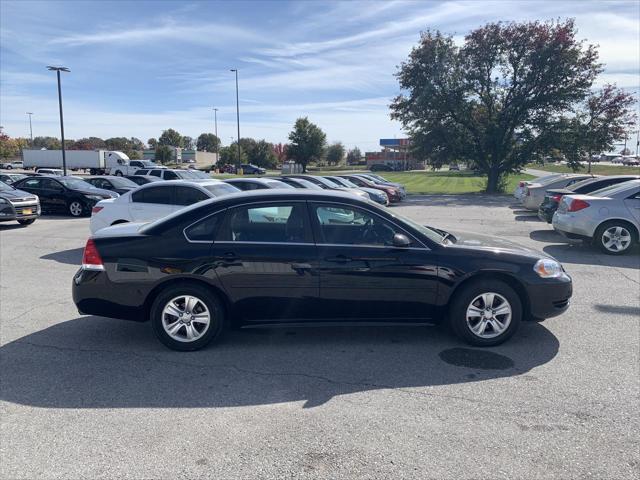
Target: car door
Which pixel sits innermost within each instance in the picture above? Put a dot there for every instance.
(152, 203)
(55, 194)
(34, 185)
(266, 261)
(362, 275)
(633, 204)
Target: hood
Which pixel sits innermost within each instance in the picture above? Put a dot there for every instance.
(98, 191)
(120, 230)
(498, 245)
(14, 195)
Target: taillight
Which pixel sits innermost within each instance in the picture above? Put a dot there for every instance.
(95, 210)
(577, 205)
(91, 259)
(557, 198)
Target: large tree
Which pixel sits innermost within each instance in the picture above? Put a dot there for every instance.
(262, 154)
(91, 143)
(171, 138)
(334, 153)
(163, 154)
(491, 100)
(229, 155)
(208, 142)
(50, 143)
(307, 142)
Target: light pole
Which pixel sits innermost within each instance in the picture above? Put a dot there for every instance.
(58, 70)
(215, 122)
(30, 128)
(237, 113)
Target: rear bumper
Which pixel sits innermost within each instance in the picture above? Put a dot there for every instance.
(93, 294)
(572, 225)
(550, 299)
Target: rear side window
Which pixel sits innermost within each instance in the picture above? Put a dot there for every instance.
(158, 195)
(32, 183)
(204, 230)
(188, 195)
(169, 175)
(155, 173)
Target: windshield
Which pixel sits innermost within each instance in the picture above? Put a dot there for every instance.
(219, 189)
(428, 232)
(614, 189)
(76, 183)
(5, 188)
(343, 182)
(277, 184)
(327, 182)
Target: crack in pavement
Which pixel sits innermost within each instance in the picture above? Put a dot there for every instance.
(252, 372)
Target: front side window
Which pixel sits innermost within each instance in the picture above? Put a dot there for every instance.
(342, 225)
(189, 195)
(169, 175)
(157, 195)
(273, 223)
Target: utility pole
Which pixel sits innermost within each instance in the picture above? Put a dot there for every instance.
(58, 70)
(237, 112)
(215, 121)
(30, 128)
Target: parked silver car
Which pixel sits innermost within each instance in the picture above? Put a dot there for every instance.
(534, 192)
(610, 217)
(518, 193)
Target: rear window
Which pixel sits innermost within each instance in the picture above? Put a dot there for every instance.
(613, 189)
(277, 184)
(219, 189)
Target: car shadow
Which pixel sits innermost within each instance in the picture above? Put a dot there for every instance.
(11, 226)
(72, 256)
(527, 218)
(618, 309)
(94, 362)
(547, 236)
(585, 254)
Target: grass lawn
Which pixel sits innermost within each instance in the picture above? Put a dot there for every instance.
(595, 169)
(426, 182)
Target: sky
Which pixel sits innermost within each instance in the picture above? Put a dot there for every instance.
(138, 68)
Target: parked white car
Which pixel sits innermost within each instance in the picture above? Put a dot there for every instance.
(155, 200)
(609, 217)
(534, 192)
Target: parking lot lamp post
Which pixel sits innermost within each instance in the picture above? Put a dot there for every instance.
(30, 128)
(237, 112)
(58, 70)
(215, 122)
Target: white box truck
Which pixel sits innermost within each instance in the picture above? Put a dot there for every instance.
(98, 162)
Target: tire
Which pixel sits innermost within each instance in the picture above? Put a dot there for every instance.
(118, 173)
(92, 171)
(615, 237)
(174, 296)
(27, 221)
(9, 167)
(76, 208)
(474, 295)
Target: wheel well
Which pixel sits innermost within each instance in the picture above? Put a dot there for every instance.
(621, 221)
(510, 280)
(187, 281)
(120, 221)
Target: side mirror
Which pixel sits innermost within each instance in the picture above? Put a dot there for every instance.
(401, 241)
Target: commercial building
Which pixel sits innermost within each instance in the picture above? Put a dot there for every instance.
(180, 155)
(395, 155)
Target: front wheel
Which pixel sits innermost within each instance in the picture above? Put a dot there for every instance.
(485, 313)
(76, 208)
(118, 173)
(187, 317)
(615, 238)
(27, 221)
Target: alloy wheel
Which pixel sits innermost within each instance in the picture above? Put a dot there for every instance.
(489, 315)
(75, 208)
(616, 239)
(186, 318)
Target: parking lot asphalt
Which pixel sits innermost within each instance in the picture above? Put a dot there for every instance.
(90, 397)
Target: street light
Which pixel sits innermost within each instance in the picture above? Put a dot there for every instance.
(30, 128)
(237, 112)
(58, 70)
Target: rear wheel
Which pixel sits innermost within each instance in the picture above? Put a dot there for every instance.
(187, 317)
(485, 313)
(27, 221)
(615, 237)
(118, 173)
(76, 208)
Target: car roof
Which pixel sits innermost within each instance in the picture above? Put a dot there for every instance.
(251, 180)
(190, 182)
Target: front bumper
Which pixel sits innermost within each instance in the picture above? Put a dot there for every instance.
(19, 211)
(550, 298)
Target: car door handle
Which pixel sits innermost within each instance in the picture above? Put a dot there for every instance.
(338, 259)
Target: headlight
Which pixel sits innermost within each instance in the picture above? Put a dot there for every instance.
(97, 198)
(547, 268)
(2, 200)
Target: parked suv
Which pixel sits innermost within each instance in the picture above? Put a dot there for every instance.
(165, 173)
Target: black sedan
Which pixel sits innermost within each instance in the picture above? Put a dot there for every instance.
(275, 256)
(64, 194)
(17, 205)
(142, 179)
(120, 185)
(552, 197)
